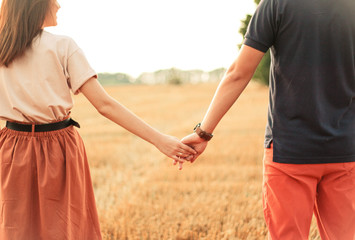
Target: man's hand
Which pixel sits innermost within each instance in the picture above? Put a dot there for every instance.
(197, 143)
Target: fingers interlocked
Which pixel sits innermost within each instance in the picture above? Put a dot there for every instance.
(182, 153)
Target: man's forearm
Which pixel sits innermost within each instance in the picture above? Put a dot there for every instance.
(226, 94)
(232, 85)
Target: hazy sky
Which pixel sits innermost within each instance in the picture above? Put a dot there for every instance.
(135, 36)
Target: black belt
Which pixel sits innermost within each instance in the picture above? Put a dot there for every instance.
(42, 127)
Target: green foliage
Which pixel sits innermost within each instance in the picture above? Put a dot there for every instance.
(262, 72)
(173, 77)
(175, 81)
(114, 78)
(244, 26)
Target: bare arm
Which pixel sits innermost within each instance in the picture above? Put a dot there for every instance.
(113, 110)
(232, 85)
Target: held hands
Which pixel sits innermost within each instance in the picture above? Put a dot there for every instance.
(173, 148)
(188, 149)
(197, 143)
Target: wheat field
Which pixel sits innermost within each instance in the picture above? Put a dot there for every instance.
(140, 195)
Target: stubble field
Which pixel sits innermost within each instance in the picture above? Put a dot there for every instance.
(141, 195)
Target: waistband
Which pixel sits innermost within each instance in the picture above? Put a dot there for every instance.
(41, 127)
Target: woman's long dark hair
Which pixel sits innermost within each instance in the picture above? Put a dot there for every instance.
(20, 22)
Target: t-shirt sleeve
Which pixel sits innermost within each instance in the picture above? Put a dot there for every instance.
(78, 68)
(263, 26)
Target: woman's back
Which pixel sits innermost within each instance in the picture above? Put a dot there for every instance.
(36, 86)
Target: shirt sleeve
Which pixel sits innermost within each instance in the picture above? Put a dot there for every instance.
(263, 26)
(78, 69)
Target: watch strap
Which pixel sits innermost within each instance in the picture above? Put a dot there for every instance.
(202, 134)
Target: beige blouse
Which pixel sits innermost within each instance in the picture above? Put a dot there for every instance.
(37, 86)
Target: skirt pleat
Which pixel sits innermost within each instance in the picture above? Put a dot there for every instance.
(46, 189)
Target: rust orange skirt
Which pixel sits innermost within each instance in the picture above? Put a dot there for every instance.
(46, 190)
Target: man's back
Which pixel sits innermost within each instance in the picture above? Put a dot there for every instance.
(312, 86)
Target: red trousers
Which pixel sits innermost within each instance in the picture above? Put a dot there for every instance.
(45, 187)
(293, 192)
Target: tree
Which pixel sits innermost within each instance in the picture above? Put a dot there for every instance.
(174, 77)
(263, 70)
(115, 78)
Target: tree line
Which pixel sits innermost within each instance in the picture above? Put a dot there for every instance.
(165, 76)
(177, 76)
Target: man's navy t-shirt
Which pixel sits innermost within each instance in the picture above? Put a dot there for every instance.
(311, 116)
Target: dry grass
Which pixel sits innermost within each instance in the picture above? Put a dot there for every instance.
(140, 195)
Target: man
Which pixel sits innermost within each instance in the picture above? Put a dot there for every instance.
(309, 160)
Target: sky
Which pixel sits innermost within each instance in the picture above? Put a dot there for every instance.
(136, 36)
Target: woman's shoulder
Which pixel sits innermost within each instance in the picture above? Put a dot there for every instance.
(55, 38)
(58, 42)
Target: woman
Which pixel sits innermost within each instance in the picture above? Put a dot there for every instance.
(45, 185)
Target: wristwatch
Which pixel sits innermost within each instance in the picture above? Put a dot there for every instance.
(202, 134)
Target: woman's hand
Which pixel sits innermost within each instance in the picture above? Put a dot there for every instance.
(173, 148)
